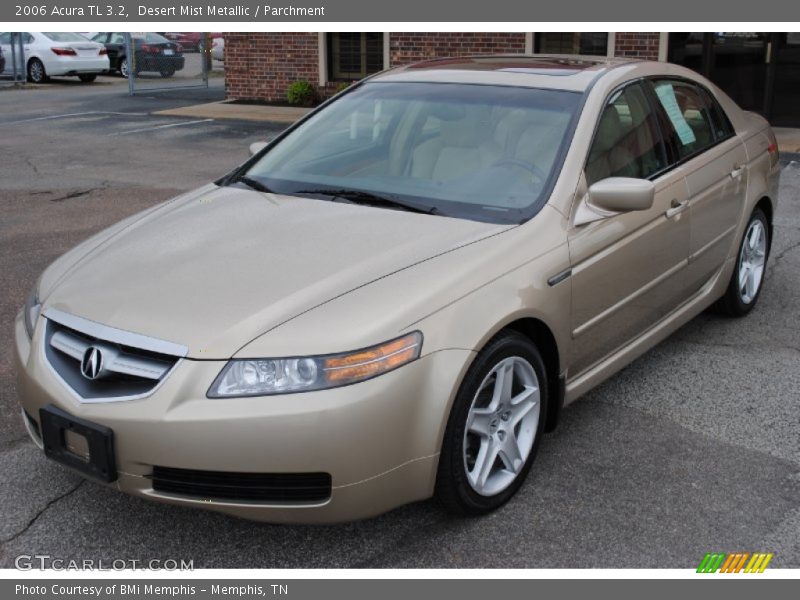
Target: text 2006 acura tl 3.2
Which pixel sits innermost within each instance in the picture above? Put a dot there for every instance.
(394, 299)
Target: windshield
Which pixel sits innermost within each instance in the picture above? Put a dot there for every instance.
(150, 38)
(62, 36)
(474, 151)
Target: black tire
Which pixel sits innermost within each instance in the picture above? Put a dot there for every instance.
(732, 304)
(167, 72)
(453, 490)
(87, 78)
(36, 71)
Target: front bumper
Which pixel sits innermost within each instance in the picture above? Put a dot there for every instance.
(379, 439)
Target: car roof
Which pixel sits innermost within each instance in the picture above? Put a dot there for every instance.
(557, 71)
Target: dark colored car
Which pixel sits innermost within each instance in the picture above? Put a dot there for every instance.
(190, 39)
(152, 52)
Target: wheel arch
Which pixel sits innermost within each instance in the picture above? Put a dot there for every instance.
(538, 332)
(765, 204)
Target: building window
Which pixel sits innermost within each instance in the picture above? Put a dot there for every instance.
(353, 56)
(571, 43)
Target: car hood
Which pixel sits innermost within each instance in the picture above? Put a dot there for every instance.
(214, 270)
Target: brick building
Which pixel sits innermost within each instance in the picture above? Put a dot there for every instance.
(761, 71)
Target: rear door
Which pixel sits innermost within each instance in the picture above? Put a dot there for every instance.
(628, 270)
(714, 160)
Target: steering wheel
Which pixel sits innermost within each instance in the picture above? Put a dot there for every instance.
(530, 167)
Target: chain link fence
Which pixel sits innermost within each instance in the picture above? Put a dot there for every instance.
(12, 59)
(155, 62)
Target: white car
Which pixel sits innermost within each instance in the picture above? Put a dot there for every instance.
(218, 49)
(57, 53)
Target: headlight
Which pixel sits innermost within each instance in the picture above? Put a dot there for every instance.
(269, 376)
(32, 309)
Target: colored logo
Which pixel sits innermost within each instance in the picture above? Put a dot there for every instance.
(735, 562)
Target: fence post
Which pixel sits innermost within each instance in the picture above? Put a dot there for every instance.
(22, 66)
(130, 56)
(206, 54)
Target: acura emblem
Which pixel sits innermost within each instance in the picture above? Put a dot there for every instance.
(92, 363)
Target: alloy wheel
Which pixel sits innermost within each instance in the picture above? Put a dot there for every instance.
(752, 259)
(501, 426)
(36, 71)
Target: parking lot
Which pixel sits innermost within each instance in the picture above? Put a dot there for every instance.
(693, 448)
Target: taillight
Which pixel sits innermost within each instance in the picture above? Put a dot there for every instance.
(148, 49)
(772, 149)
(64, 51)
(178, 48)
(103, 51)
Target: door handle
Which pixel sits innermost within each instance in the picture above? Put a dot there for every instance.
(737, 172)
(676, 208)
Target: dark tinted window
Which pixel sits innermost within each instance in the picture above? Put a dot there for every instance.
(628, 141)
(595, 43)
(353, 56)
(690, 113)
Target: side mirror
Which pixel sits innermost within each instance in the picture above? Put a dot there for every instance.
(257, 147)
(622, 194)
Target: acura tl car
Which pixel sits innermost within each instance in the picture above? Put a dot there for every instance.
(395, 298)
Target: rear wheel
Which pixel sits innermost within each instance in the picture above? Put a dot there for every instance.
(87, 78)
(36, 72)
(751, 264)
(169, 72)
(495, 426)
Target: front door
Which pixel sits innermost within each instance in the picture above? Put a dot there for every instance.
(628, 270)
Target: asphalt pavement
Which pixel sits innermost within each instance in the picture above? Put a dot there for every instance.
(695, 447)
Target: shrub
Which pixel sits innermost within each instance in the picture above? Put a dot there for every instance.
(342, 86)
(301, 93)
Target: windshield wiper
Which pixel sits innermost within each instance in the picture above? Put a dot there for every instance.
(253, 184)
(370, 199)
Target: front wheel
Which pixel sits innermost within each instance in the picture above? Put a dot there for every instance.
(124, 67)
(495, 427)
(745, 285)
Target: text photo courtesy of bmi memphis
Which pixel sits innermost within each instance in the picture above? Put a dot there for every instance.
(306, 303)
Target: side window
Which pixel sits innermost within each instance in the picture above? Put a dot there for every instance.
(690, 112)
(5, 38)
(117, 38)
(628, 141)
(27, 38)
(100, 37)
(722, 125)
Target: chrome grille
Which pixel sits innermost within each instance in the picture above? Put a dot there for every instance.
(96, 363)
